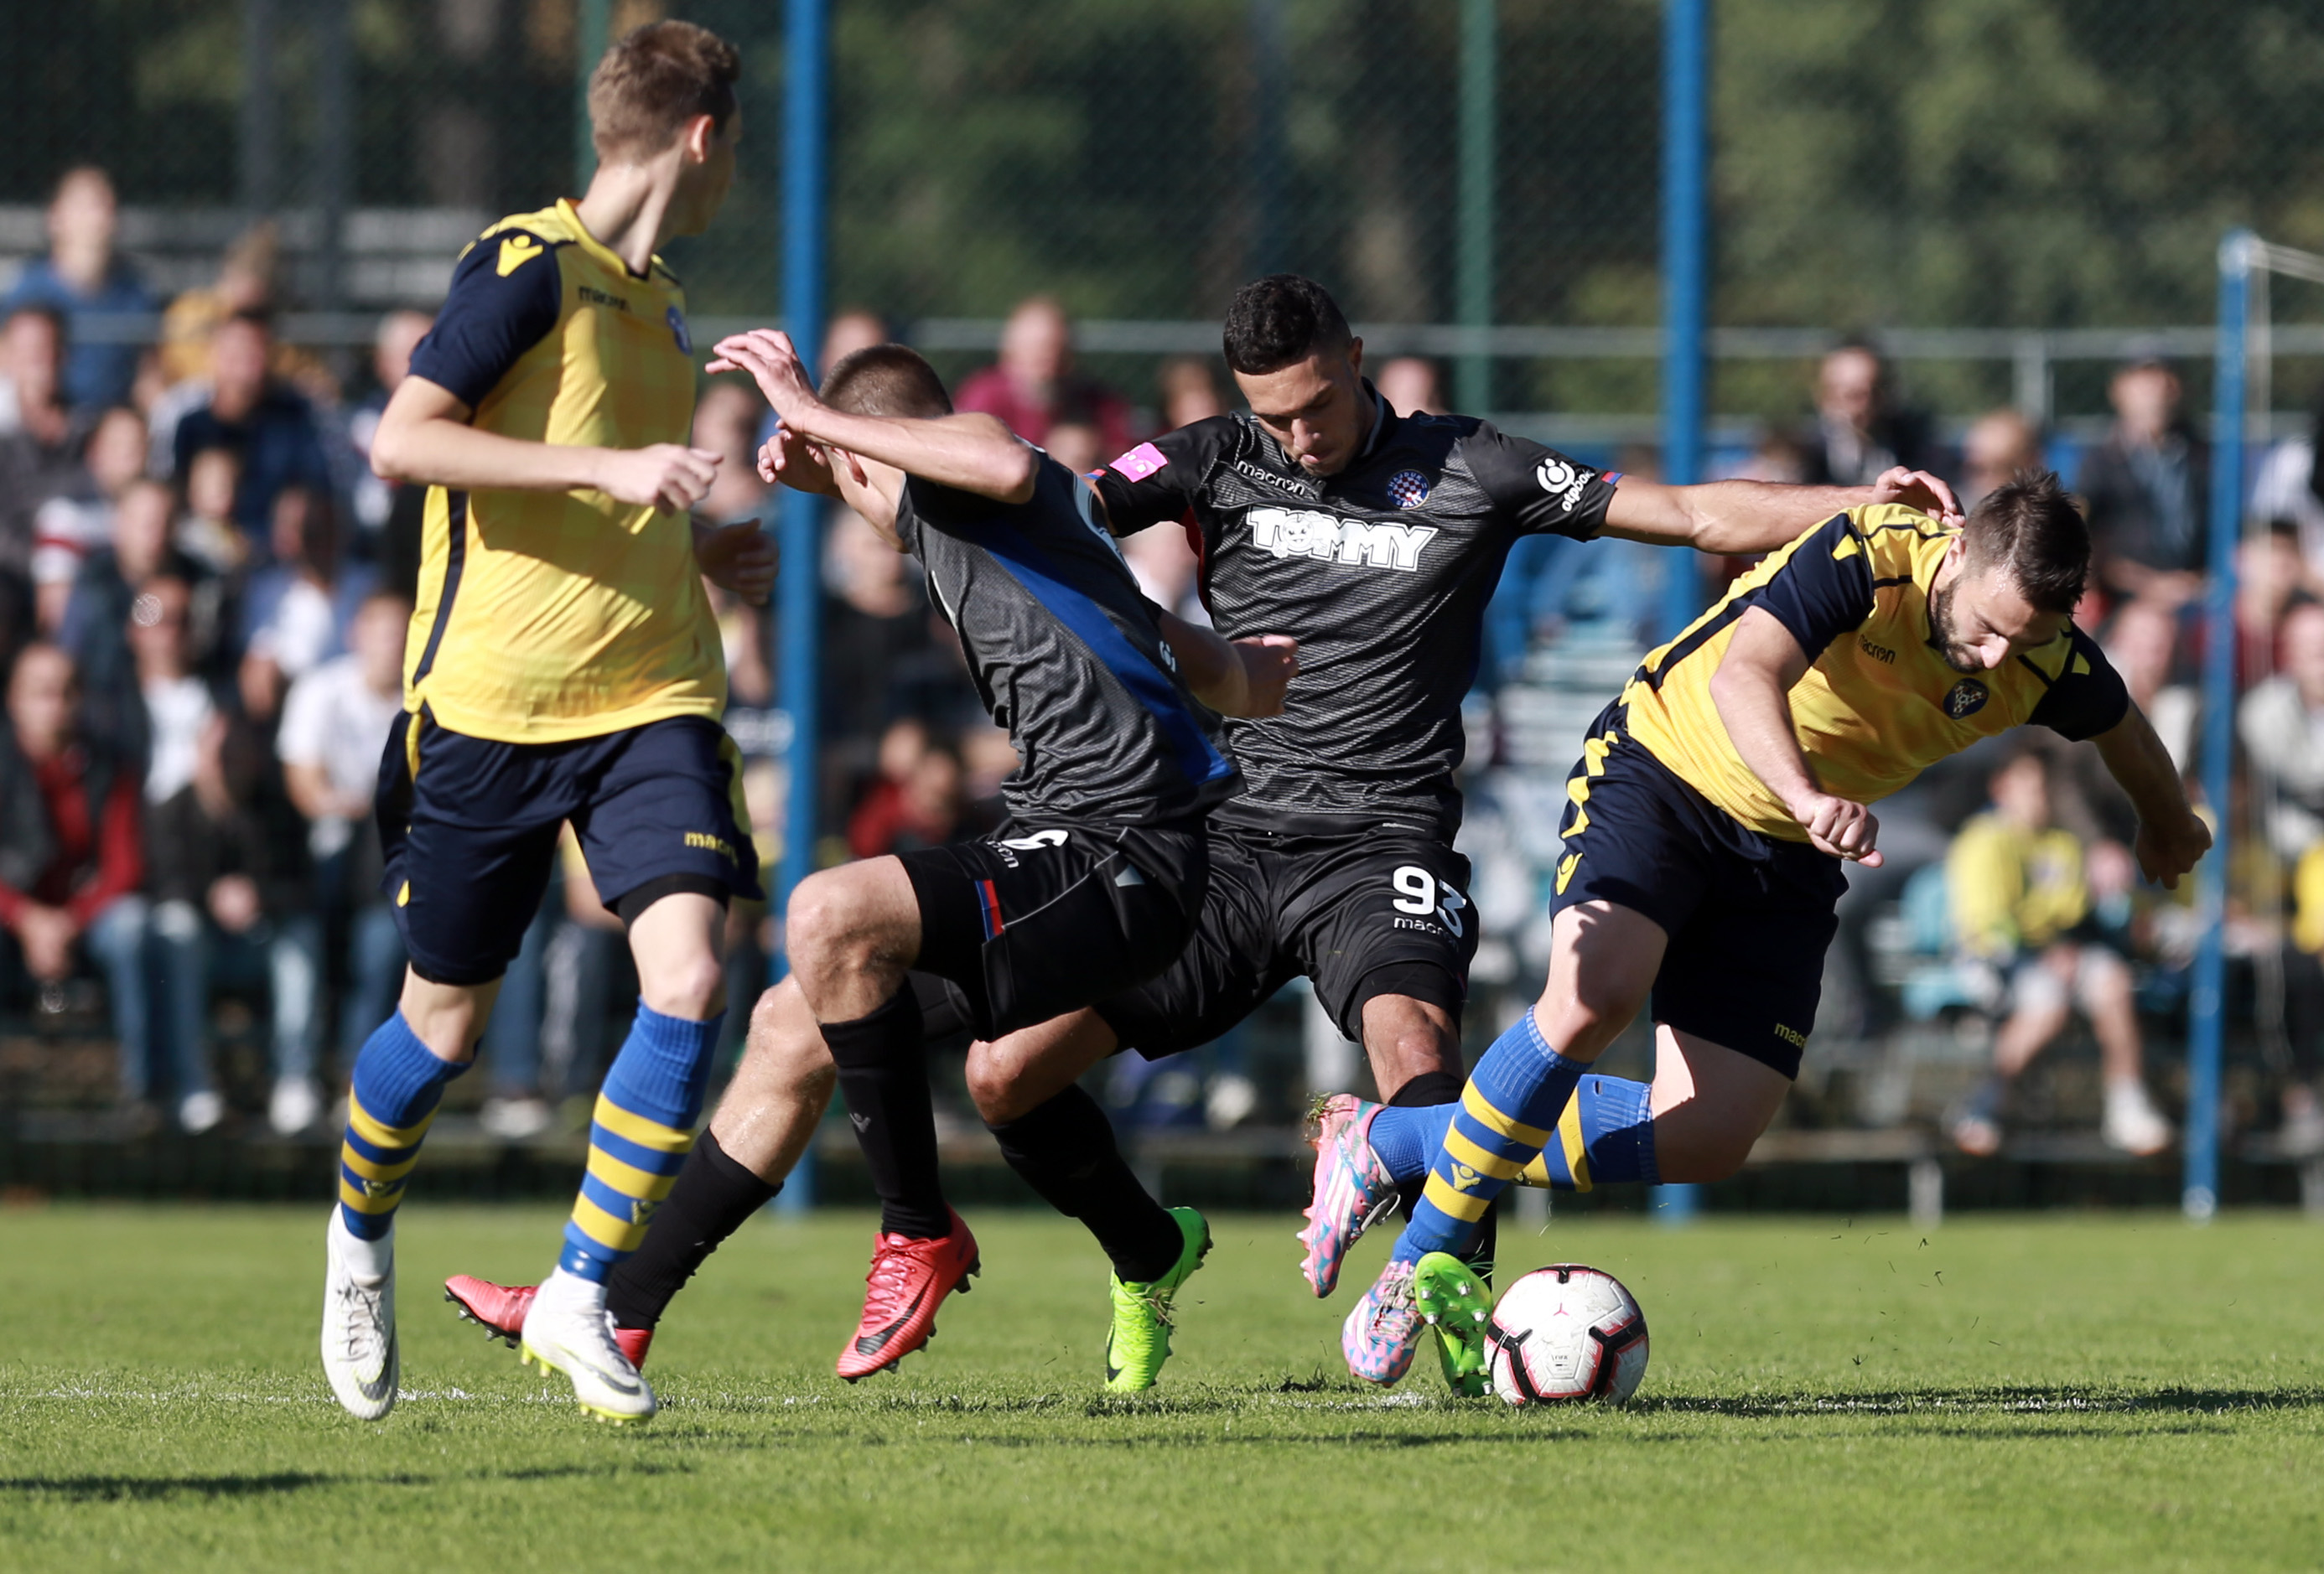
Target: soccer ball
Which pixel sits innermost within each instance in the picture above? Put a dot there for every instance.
(1566, 1333)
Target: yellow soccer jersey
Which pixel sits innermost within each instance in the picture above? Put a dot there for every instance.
(2012, 889)
(1879, 704)
(547, 616)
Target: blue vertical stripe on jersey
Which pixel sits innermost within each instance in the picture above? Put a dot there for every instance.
(456, 554)
(1197, 758)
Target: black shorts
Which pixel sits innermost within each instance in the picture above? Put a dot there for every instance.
(1379, 913)
(1748, 917)
(469, 828)
(1045, 918)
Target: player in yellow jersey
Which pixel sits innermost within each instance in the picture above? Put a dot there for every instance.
(562, 665)
(1703, 841)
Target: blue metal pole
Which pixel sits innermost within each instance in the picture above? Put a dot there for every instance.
(807, 45)
(2206, 1008)
(591, 21)
(1686, 162)
(1480, 128)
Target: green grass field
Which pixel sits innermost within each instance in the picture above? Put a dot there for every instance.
(2100, 1392)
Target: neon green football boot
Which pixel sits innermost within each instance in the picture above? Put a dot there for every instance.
(1454, 1300)
(1139, 1340)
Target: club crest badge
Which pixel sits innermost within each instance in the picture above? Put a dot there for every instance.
(677, 331)
(1965, 699)
(1408, 489)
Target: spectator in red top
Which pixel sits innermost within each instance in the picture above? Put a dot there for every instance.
(1034, 385)
(72, 854)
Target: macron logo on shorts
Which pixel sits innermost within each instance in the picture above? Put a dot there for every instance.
(1139, 463)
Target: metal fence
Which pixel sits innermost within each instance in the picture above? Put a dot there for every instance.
(2037, 166)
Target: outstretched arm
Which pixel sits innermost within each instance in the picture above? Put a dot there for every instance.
(975, 453)
(424, 437)
(1745, 517)
(1237, 678)
(2172, 838)
(1752, 689)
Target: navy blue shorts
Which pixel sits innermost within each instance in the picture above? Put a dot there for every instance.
(1748, 917)
(469, 827)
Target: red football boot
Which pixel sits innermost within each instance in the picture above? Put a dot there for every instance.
(500, 1309)
(909, 1279)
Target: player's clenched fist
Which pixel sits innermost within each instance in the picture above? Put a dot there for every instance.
(1270, 663)
(2168, 850)
(664, 476)
(1841, 828)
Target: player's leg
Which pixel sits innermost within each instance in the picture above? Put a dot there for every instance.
(1100, 919)
(661, 826)
(852, 933)
(469, 840)
(1383, 926)
(1058, 1140)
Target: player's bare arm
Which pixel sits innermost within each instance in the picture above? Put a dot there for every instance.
(425, 438)
(1746, 516)
(1235, 677)
(971, 453)
(2172, 837)
(1752, 689)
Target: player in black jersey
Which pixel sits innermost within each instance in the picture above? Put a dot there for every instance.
(1376, 541)
(1093, 884)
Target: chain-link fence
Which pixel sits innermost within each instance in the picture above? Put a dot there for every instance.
(1914, 163)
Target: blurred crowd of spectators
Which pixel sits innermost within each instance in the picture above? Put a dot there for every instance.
(204, 592)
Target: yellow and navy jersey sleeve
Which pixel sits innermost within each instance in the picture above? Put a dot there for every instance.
(2086, 697)
(1823, 589)
(1534, 490)
(506, 296)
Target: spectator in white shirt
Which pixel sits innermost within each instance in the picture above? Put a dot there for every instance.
(336, 721)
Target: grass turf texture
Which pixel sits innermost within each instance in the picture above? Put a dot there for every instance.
(2106, 1392)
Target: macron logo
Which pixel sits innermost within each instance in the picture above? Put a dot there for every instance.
(1327, 538)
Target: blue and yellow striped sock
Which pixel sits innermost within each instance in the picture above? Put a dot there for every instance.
(1505, 1119)
(638, 1142)
(1606, 1137)
(398, 1082)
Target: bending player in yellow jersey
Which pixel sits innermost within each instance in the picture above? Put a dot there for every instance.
(1706, 831)
(562, 665)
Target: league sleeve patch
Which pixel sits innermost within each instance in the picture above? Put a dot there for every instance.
(1139, 463)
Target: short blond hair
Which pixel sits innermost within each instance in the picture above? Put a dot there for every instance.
(655, 79)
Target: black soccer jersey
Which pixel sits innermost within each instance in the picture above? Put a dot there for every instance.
(1067, 654)
(1381, 572)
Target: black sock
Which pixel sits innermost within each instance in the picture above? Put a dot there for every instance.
(1430, 1088)
(1065, 1151)
(883, 1076)
(1423, 1091)
(710, 1199)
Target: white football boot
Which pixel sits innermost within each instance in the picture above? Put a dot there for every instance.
(359, 1354)
(569, 1330)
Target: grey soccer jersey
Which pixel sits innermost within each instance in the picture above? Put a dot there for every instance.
(1067, 654)
(1381, 572)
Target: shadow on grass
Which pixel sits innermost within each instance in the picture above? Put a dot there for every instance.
(216, 1488)
(1997, 1401)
